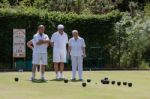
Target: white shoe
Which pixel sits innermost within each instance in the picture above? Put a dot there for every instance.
(32, 78)
(61, 76)
(43, 78)
(57, 76)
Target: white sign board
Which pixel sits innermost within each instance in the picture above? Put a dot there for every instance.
(19, 48)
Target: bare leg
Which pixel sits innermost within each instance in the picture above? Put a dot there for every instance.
(33, 71)
(61, 70)
(42, 71)
(61, 67)
(33, 68)
(56, 70)
(56, 67)
(39, 68)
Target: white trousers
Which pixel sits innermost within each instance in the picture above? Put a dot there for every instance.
(77, 63)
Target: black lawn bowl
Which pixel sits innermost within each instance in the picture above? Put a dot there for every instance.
(124, 83)
(118, 83)
(107, 81)
(16, 79)
(102, 81)
(83, 84)
(88, 80)
(130, 84)
(65, 80)
(106, 78)
(112, 82)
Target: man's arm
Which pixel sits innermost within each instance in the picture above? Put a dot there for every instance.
(52, 41)
(46, 41)
(36, 40)
(69, 47)
(83, 48)
(29, 44)
(84, 51)
(39, 42)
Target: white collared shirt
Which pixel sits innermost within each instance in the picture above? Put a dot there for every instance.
(40, 48)
(59, 41)
(76, 46)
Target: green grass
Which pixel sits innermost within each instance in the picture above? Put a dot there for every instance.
(24, 89)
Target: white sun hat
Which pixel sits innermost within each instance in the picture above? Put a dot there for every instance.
(60, 26)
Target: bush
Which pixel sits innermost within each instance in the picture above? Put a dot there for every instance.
(132, 45)
(96, 29)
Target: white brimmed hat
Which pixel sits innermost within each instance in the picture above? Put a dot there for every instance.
(60, 26)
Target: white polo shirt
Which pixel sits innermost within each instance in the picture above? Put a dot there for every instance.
(39, 48)
(76, 46)
(60, 41)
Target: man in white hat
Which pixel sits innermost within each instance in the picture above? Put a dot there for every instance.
(59, 41)
(40, 43)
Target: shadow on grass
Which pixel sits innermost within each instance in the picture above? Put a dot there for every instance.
(76, 80)
(59, 80)
(39, 81)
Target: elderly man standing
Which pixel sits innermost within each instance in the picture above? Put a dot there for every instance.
(40, 41)
(77, 51)
(59, 41)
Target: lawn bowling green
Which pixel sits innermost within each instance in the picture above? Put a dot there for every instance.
(52, 89)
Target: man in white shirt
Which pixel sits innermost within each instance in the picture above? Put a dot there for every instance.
(77, 52)
(59, 41)
(40, 42)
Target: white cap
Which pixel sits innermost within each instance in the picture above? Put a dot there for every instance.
(60, 26)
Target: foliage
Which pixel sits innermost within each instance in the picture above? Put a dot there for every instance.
(4, 3)
(132, 40)
(147, 9)
(77, 6)
(96, 29)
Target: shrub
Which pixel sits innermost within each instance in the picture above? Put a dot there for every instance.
(98, 30)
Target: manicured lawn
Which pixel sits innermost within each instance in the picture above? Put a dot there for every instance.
(25, 89)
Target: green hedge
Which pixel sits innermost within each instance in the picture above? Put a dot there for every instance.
(98, 30)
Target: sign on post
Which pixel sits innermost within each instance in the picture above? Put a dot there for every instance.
(19, 48)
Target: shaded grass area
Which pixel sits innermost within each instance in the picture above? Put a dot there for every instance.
(54, 89)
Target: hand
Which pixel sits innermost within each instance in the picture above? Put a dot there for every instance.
(68, 56)
(84, 55)
(52, 44)
(39, 42)
(31, 48)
